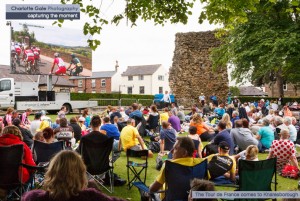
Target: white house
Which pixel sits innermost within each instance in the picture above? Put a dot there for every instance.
(145, 79)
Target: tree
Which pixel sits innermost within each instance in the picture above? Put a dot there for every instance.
(266, 44)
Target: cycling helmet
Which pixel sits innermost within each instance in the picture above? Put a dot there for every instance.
(56, 54)
(73, 55)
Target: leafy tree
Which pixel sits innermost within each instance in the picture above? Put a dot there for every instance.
(265, 48)
(235, 91)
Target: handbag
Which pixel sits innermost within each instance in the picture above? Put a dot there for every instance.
(290, 171)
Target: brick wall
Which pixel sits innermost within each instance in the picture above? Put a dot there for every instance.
(86, 62)
(272, 90)
(87, 85)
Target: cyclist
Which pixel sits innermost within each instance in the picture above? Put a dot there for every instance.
(60, 63)
(78, 66)
(18, 51)
(28, 58)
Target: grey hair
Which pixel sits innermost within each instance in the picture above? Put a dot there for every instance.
(235, 112)
(278, 120)
(266, 121)
(287, 120)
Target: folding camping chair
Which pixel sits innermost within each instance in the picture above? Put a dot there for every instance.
(136, 167)
(177, 180)
(43, 152)
(257, 175)
(11, 171)
(96, 158)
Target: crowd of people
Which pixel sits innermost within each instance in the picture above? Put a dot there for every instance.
(233, 132)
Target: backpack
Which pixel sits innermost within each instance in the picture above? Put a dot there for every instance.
(154, 146)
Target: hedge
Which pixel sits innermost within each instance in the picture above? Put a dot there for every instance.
(128, 99)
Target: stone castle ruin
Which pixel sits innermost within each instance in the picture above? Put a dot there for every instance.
(191, 73)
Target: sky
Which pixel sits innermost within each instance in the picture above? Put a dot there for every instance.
(143, 44)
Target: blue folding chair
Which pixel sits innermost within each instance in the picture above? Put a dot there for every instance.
(178, 178)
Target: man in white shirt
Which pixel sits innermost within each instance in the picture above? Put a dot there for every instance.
(292, 130)
(166, 99)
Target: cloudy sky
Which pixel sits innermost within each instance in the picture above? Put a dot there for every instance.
(140, 45)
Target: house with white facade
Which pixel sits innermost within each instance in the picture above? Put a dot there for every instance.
(145, 79)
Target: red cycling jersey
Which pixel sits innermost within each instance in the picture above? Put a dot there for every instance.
(28, 56)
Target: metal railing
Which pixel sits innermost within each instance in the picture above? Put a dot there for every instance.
(122, 101)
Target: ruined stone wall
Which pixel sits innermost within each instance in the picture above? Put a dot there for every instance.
(191, 72)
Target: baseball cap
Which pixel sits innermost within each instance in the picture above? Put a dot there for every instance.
(224, 145)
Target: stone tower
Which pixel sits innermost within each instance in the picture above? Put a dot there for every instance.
(191, 73)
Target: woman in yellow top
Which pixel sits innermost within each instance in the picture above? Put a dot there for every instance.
(204, 131)
(164, 116)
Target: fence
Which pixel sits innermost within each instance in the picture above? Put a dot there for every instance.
(122, 101)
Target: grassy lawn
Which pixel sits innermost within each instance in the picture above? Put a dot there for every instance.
(284, 184)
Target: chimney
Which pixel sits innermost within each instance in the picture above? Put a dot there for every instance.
(116, 66)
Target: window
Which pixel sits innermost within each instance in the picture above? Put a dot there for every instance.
(80, 83)
(103, 91)
(103, 83)
(79, 91)
(93, 92)
(160, 90)
(129, 90)
(93, 83)
(64, 90)
(141, 77)
(142, 89)
(161, 78)
(285, 86)
(5, 85)
(130, 78)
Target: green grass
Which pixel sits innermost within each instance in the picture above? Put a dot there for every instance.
(284, 184)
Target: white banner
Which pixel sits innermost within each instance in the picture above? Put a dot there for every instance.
(246, 194)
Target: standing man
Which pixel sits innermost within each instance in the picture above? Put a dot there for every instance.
(60, 63)
(166, 99)
(202, 99)
(78, 66)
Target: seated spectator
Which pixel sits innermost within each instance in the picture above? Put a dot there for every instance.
(182, 154)
(153, 119)
(265, 135)
(226, 119)
(167, 137)
(123, 114)
(64, 128)
(12, 135)
(242, 136)
(98, 135)
(48, 135)
(75, 188)
(87, 117)
(223, 135)
(56, 123)
(189, 115)
(164, 116)
(284, 150)
(111, 131)
(115, 113)
(35, 124)
(27, 136)
(220, 164)
(174, 110)
(203, 130)
(181, 114)
(250, 154)
(39, 136)
(131, 139)
(197, 141)
(235, 116)
(279, 125)
(174, 121)
(81, 121)
(292, 129)
(201, 185)
(76, 128)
